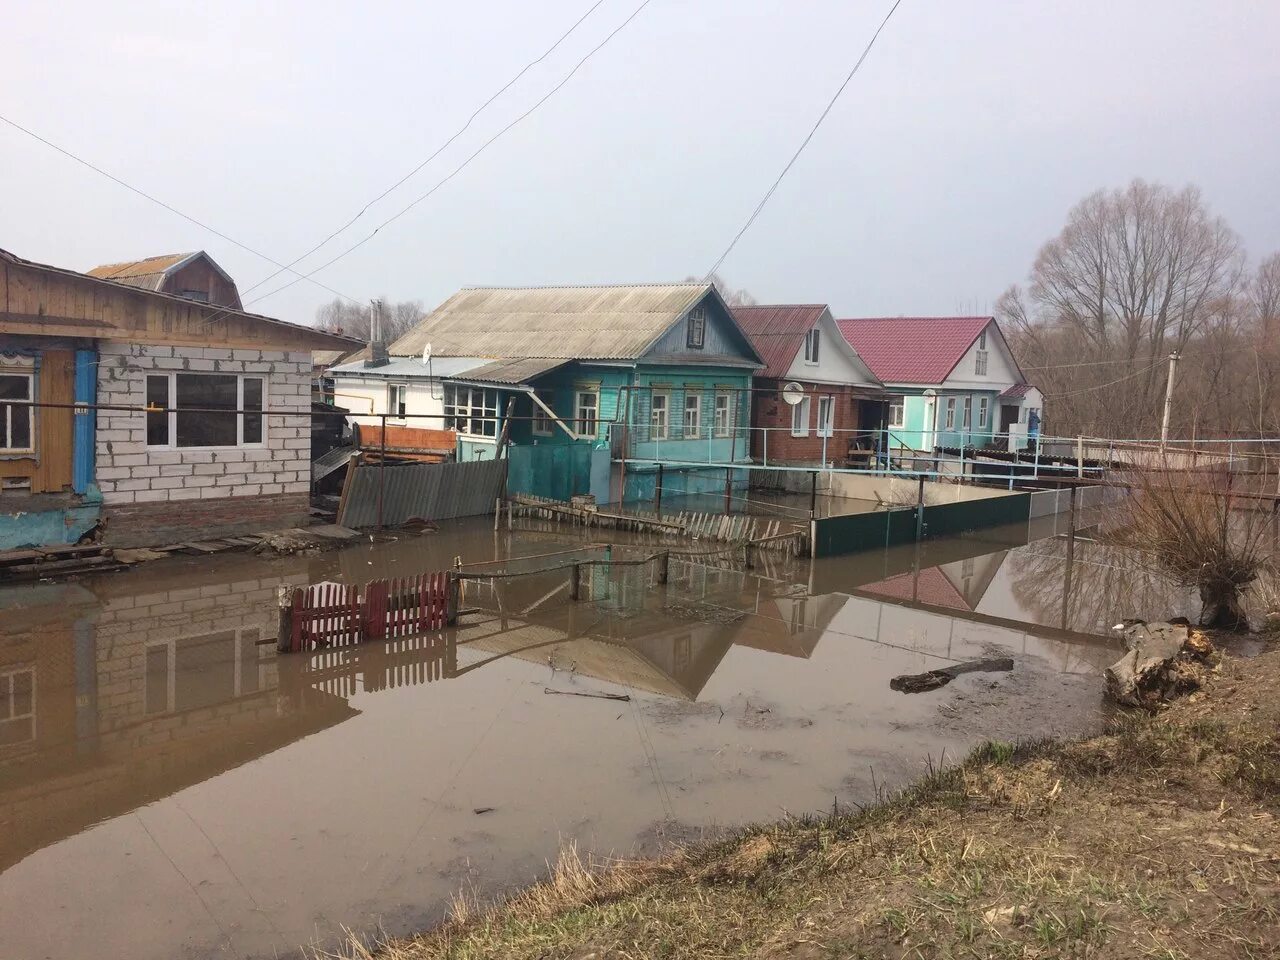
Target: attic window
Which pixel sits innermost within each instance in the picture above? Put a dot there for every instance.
(697, 329)
(811, 343)
(980, 356)
(200, 296)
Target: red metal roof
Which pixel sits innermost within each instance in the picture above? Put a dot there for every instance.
(777, 332)
(932, 588)
(920, 350)
(1016, 392)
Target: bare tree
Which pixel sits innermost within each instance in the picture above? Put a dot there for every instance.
(398, 318)
(733, 297)
(1135, 274)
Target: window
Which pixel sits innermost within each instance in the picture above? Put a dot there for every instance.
(982, 413)
(471, 410)
(184, 410)
(800, 418)
(982, 340)
(896, 412)
(723, 423)
(659, 410)
(692, 415)
(980, 363)
(811, 345)
(543, 425)
(201, 296)
(17, 706)
(17, 423)
(588, 412)
(951, 413)
(396, 399)
(697, 335)
(968, 412)
(826, 416)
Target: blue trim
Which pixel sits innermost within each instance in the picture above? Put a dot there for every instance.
(82, 462)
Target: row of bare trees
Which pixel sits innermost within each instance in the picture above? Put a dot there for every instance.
(1135, 275)
(342, 316)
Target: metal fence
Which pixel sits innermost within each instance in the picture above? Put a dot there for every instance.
(384, 494)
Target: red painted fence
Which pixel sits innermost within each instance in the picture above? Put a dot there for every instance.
(337, 614)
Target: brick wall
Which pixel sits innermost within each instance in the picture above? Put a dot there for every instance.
(771, 411)
(153, 496)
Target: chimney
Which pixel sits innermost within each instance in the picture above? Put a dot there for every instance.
(377, 345)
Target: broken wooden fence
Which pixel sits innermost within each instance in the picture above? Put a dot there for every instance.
(338, 614)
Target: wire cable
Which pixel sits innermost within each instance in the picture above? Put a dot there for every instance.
(440, 149)
(167, 206)
(465, 163)
(804, 143)
(1109, 383)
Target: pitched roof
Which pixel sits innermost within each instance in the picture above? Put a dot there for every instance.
(1016, 392)
(912, 349)
(931, 587)
(147, 273)
(777, 331)
(567, 323)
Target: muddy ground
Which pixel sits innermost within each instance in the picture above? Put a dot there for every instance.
(1158, 838)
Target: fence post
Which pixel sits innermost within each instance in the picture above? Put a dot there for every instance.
(728, 489)
(454, 587)
(764, 447)
(664, 563)
(813, 494)
(574, 588)
(1035, 470)
(382, 470)
(748, 560)
(920, 511)
(284, 618)
(1080, 458)
(497, 513)
(657, 494)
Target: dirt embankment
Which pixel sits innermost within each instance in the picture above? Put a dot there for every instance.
(1156, 839)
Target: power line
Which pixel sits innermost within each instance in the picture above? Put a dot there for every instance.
(462, 166)
(440, 149)
(804, 143)
(1109, 383)
(156, 200)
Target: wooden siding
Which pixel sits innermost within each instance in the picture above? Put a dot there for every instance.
(723, 340)
(200, 275)
(46, 301)
(50, 469)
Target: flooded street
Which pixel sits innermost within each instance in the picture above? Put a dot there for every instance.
(171, 787)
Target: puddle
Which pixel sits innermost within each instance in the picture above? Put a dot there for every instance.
(169, 787)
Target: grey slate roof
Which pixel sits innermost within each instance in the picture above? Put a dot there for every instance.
(568, 323)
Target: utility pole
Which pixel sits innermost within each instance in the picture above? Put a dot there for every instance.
(1168, 398)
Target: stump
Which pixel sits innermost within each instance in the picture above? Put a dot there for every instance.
(1162, 663)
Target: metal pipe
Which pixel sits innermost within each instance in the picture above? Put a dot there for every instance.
(657, 494)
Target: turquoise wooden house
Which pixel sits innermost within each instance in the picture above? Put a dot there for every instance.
(952, 381)
(606, 381)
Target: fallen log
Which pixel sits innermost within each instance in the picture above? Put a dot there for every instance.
(1163, 661)
(933, 679)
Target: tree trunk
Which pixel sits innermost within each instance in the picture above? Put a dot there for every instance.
(1220, 607)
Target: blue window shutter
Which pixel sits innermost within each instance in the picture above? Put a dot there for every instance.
(83, 434)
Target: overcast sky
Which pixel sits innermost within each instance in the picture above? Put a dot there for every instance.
(954, 153)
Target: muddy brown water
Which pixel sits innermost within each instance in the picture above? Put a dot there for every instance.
(170, 787)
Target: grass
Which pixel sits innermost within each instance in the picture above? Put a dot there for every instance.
(1158, 838)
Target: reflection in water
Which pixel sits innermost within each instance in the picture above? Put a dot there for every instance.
(119, 695)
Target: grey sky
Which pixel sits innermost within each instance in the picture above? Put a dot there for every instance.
(953, 155)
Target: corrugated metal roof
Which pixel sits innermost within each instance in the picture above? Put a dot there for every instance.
(1016, 392)
(147, 273)
(778, 331)
(412, 367)
(513, 371)
(921, 350)
(568, 323)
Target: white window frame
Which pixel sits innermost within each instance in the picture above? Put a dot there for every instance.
(393, 408)
(812, 346)
(456, 412)
(692, 431)
(722, 427)
(21, 371)
(586, 426)
(6, 686)
(172, 400)
(950, 409)
(543, 425)
(800, 413)
(980, 363)
(983, 412)
(659, 427)
(696, 331)
(827, 423)
(898, 419)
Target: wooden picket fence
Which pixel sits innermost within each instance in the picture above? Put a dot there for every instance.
(338, 614)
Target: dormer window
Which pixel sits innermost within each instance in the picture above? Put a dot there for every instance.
(980, 356)
(697, 335)
(200, 296)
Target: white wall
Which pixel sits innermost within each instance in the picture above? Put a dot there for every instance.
(367, 396)
(837, 361)
(1002, 372)
(128, 471)
(901, 490)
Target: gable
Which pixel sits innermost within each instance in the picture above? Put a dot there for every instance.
(722, 340)
(1002, 369)
(837, 362)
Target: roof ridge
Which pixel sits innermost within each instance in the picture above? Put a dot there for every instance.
(976, 316)
(591, 286)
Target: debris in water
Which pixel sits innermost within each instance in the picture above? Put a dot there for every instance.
(479, 810)
(933, 679)
(584, 693)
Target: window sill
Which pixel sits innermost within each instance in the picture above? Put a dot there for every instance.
(224, 449)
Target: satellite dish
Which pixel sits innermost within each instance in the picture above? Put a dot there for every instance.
(792, 393)
(426, 353)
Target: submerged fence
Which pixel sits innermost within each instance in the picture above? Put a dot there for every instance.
(339, 614)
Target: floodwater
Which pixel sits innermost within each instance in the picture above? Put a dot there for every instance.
(170, 787)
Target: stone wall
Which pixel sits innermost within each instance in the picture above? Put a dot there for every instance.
(156, 496)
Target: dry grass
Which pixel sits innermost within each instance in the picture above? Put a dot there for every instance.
(1158, 838)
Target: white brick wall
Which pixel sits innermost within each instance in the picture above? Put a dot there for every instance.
(130, 472)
